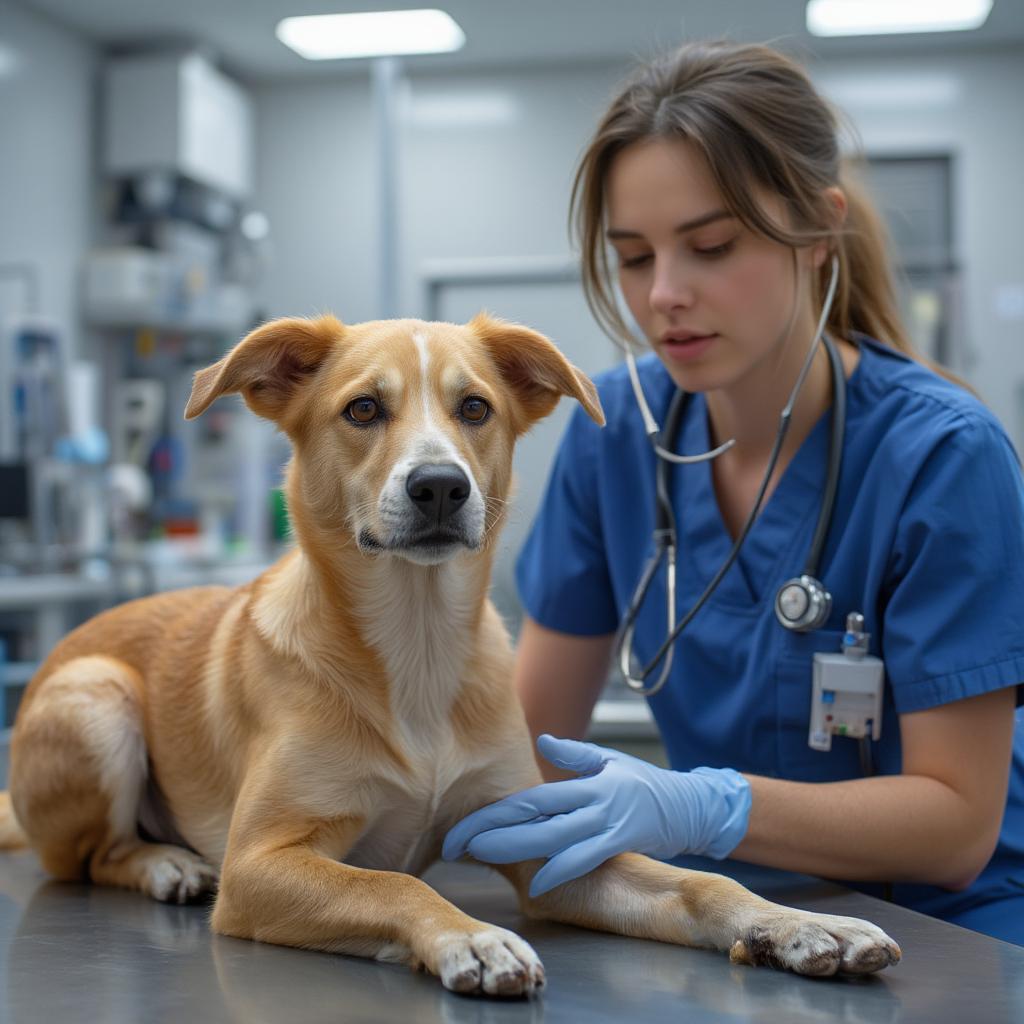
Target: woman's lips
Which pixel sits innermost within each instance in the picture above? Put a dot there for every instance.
(690, 348)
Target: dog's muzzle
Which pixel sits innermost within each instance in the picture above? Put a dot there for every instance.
(428, 516)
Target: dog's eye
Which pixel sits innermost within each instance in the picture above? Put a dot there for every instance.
(362, 410)
(474, 410)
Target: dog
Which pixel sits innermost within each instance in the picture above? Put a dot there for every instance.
(301, 745)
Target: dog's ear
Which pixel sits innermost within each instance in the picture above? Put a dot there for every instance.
(534, 369)
(268, 366)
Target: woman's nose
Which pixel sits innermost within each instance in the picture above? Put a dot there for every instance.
(670, 288)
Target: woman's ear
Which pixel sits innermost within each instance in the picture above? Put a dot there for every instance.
(534, 370)
(268, 367)
(835, 199)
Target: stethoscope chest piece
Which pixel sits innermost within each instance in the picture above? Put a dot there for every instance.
(802, 604)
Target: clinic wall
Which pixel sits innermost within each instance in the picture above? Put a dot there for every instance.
(484, 169)
(47, 133)
(485, 164)
(966, 105)
(315, 171)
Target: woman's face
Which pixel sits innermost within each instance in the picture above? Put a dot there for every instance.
(715, 300)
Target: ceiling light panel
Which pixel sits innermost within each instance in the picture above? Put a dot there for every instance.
(882, 17)
(377, 34)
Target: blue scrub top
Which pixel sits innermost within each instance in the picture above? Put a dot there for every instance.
(926, 541)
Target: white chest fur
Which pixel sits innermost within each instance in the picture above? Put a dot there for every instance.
(419, 619)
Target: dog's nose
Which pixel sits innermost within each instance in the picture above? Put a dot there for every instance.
(438, 490)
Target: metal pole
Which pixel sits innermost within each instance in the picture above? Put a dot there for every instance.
(385, 94)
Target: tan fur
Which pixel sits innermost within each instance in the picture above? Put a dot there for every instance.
(303, 743)
(12, 837)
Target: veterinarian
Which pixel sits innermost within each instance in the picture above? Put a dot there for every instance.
(715, 178)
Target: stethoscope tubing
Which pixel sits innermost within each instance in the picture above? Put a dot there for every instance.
(665, 533)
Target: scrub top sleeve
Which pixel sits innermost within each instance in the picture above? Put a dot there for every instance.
(953, 624)
(562, 571)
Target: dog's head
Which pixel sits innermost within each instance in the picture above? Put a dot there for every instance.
(402, 430)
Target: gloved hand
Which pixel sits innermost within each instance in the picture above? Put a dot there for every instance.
(621, 804)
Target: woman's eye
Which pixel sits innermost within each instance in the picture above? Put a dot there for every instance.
(362, 410)
(474, 410)
(715, 250)
(629, 262)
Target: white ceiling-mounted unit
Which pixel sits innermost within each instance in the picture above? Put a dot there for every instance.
(178, 113)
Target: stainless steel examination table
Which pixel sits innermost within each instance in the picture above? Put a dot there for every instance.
(77, 953)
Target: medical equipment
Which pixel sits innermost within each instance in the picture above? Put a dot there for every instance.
(802, 603)
(846, 694)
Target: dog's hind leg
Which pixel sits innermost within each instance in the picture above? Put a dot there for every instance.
(78, 772)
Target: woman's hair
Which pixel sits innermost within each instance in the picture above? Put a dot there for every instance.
(758, 121)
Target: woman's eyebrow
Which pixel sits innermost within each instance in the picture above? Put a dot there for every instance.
(690, 225)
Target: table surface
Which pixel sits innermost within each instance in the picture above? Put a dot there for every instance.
(82, 953)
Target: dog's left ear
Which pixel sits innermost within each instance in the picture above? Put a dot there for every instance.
(536, 371)
(268, 366)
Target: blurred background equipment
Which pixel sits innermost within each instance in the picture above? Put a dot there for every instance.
(216, 178)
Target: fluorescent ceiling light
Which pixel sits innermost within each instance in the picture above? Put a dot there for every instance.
(880, 17)
(381, 34)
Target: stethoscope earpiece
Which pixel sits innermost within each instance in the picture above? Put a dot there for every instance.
(802, 604)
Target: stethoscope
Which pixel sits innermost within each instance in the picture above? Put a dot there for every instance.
(802, 603)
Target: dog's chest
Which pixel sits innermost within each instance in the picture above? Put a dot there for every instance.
(412, 816)
(424, 636)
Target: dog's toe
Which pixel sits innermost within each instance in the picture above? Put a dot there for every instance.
(865, 947)
(789, 943)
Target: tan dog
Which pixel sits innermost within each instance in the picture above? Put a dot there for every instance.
(303, 743)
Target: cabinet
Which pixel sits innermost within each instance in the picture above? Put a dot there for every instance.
(178, 113)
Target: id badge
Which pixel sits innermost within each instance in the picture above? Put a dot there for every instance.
(846, 698)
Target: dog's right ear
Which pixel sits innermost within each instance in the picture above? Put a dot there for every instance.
(268, 366)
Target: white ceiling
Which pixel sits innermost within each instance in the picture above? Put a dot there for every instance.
(499, 32)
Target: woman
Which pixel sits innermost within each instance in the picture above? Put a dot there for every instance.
(715, 178)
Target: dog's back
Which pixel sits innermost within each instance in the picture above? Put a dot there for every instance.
(140, 632)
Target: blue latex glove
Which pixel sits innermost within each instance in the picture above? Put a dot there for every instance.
(621, 804)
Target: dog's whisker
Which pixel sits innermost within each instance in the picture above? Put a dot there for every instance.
(492, 517)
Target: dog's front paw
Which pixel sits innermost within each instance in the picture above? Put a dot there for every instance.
(174, 875)
(815, 944)
(493, 961)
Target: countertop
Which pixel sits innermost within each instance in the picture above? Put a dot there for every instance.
(72, 952)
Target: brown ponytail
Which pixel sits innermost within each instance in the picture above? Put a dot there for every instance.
(757, 120)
